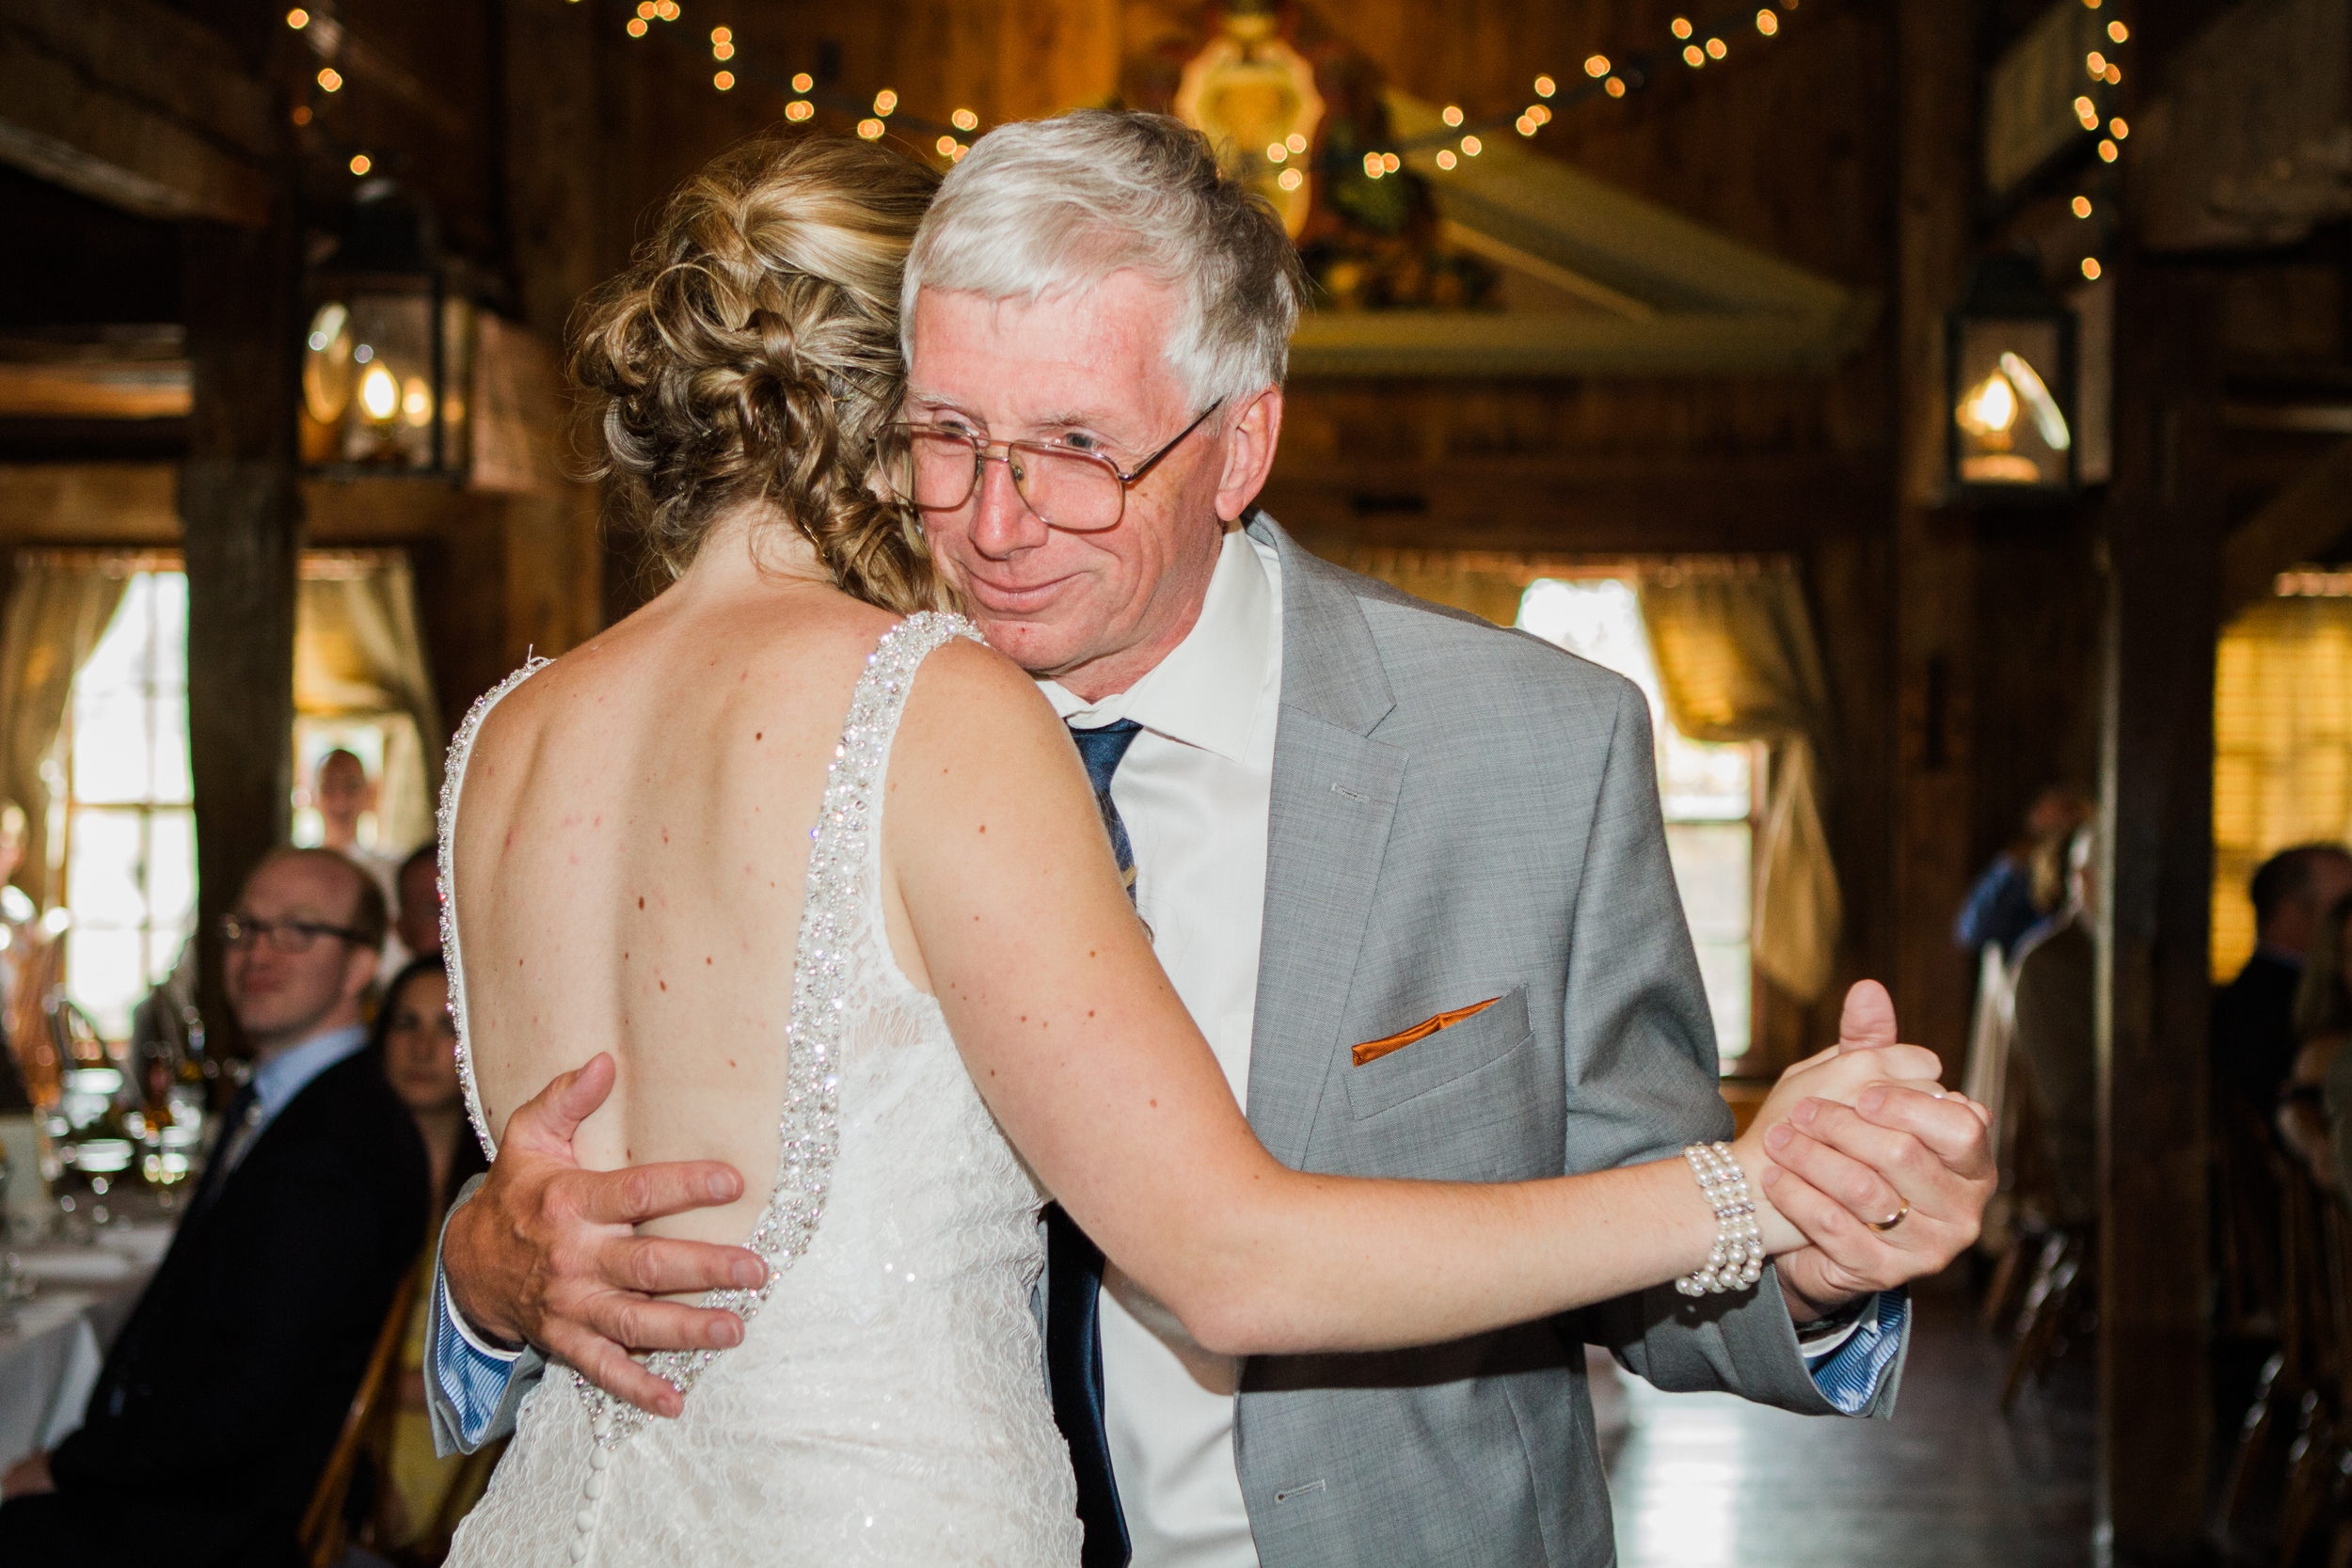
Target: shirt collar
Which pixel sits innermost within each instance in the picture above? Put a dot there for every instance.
(277, 1080)
(1205, 692)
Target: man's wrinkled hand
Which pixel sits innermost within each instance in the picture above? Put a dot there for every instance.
(1917, 1157)
(548, 1253)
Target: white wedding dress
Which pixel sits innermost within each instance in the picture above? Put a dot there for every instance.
(887, 1403)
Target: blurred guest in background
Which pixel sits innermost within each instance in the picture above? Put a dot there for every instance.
(222, 1396)
(2323, 1020)
(2254, 1040)
(2004, 904)
(419, 889)
(2056, 1040)
(417, 1039)
(343, 794)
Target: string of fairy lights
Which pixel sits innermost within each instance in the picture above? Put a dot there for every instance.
(1692, 45)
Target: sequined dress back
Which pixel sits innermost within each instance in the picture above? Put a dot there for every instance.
(886, 1405)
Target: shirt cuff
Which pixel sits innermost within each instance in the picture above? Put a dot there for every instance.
(1850, 1363)
(472, 1374)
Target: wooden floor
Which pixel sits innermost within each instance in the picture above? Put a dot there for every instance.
(1705, 1481)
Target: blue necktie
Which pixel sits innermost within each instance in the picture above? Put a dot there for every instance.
(1074, 1265)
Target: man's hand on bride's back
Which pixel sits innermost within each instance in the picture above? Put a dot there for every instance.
(548, 1252)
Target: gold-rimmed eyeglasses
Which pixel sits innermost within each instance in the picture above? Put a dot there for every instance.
(937, 469)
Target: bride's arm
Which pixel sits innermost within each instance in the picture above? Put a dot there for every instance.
(1090, 1061)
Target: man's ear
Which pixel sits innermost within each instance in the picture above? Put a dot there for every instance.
(1250, 437)
(358, 970)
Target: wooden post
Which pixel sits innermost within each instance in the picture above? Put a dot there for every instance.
(2165, 518)
(1934, 554)
(241, 512)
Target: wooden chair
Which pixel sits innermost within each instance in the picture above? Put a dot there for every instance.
(2286, 1397)
(326, 1529)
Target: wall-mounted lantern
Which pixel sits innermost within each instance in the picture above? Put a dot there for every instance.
(2010, 367)
(388, 355)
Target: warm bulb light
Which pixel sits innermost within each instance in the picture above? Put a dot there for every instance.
(1524, 126)
(1452, 114)
(722, 51)
(1390, 161)
(1295, 142)
(802, 82)
(1546, 86)
(297, 19)
(723, 35)
(2095, 63)
(2087, 112)
(2091, 269)
(302, 114)
(2109, 151)
(416, 403)
(964, 119)
(871, 129)
(1767, 23)
(799, 109)
(2117, 32)
(361, 163)
(2117, 129)
(946, 146)
(667, 11)
(1373, 168)
(1473, 146)
(1291, 180)
(1681, 27)
(331, 79)
(2082, 206)
(1715, 48)
(1276, 153)
(379, 394)
(2115, 74)
(1596, 67)
(636, 26)
(1614, 86)
(1989, 409)
(1445, 157)
(885, 101)
(1693, 57)
(724, 80)
(1539, 114)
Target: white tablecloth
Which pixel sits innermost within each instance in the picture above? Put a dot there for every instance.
(49, 1358)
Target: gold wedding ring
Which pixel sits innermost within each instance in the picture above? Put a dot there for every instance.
(1882, 1227)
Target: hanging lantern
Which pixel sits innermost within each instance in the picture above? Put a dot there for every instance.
(388, 352)
(2010, 368)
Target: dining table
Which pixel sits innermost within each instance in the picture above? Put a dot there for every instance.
(65, 1302)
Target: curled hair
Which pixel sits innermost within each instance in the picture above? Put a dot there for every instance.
(751, 352)
(1048, 208)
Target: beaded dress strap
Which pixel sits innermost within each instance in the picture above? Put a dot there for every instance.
(453, 781)
(840, 846)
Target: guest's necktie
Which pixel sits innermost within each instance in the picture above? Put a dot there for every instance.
(235, 1134)
(1074, 1265)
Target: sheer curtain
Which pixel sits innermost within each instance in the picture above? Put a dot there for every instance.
(1737, 661)
(57, 609)
(357, 655)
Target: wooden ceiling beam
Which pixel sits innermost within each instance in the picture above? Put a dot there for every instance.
(135, 106)
(2304, 518)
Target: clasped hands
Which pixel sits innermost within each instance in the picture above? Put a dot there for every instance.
(548, 1253)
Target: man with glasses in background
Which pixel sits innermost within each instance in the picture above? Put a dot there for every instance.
(204, 1438)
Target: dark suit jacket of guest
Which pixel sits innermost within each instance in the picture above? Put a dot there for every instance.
(2253, 1031)
(223, 1396)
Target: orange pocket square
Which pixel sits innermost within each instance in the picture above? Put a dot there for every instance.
(1372, 1050)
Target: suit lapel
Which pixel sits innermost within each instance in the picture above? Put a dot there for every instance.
(1334, 797)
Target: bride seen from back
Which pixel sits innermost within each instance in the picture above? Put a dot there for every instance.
(857, 993)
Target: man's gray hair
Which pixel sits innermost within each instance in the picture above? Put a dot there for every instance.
(1049, 208)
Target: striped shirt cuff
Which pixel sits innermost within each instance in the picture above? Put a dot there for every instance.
(1848, 1369)
(473, 1375)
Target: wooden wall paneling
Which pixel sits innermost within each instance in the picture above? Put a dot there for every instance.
(1934, 555)
(2163, 536)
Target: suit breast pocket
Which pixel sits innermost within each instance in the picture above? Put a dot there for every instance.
(1438, 1059)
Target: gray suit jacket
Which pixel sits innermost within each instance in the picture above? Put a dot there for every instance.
(1461, 813)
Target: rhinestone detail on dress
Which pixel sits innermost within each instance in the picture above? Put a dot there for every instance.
(453, 780)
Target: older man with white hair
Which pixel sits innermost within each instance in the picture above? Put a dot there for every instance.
(1406, 869)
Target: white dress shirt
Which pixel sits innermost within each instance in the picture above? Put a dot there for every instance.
(1195, 790)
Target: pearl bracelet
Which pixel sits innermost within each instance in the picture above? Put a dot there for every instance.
(1737, 1259)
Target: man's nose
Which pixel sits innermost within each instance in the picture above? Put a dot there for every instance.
(1002, 523)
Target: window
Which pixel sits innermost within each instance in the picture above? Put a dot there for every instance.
(2283, 744)
(128, 832)
(1709, 792)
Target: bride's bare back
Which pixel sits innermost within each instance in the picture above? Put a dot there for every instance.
(629, 854)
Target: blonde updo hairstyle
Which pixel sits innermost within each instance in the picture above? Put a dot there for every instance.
(751, 352)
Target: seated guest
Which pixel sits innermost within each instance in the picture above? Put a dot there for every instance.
(2323, 1020)
(2253, 1019)
(223, 1395)
(2004, 903)
(2056, 1040)
(418, 923)
(416, 1041)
